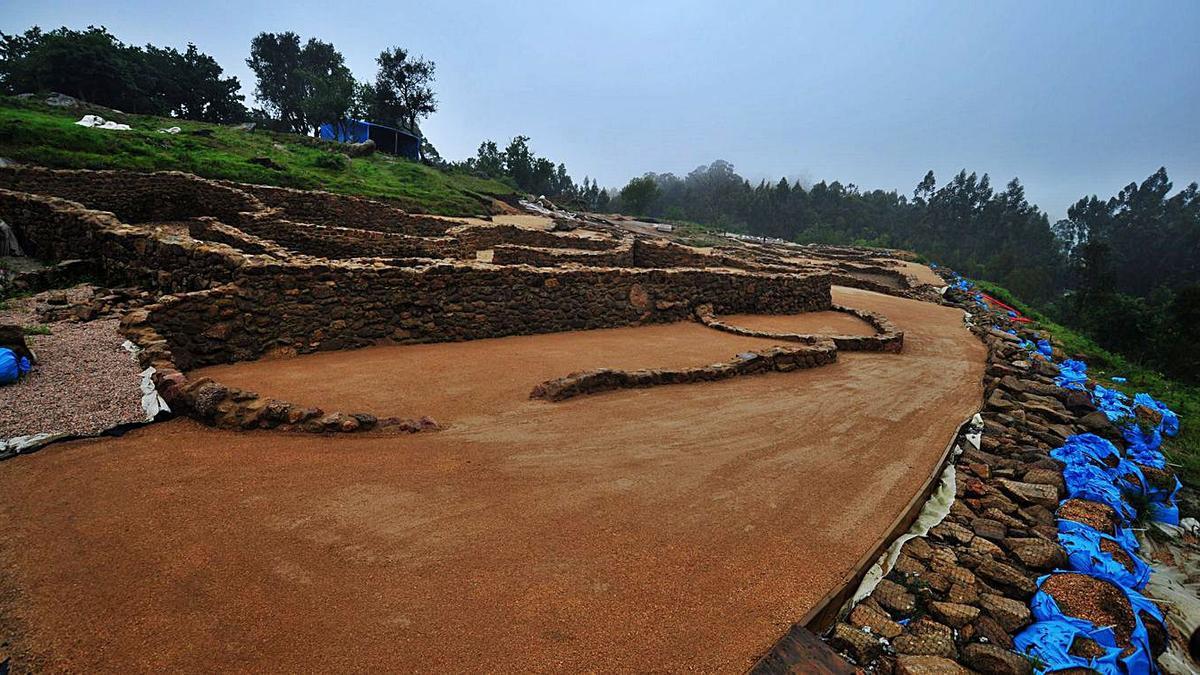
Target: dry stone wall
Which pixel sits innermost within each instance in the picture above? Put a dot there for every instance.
(309, 307)
(327, 208)
(135, 197)
(57, 229)
(775, 359)
(333, 242)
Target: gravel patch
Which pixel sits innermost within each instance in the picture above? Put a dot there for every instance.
(84, 383)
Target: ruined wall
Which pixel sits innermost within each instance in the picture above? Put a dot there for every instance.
(52, 228)
(327, 208)
(510, 254)
(343, 243)
(135, 197)
(477, 238)
(303, 308)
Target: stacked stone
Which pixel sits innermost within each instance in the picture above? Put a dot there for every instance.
(326, 208)
(776, 359)
(480, 237)
(888, 337)
(334, 242)
(955, 598)
(512, 254)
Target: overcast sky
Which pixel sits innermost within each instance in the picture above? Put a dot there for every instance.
(1074, 98)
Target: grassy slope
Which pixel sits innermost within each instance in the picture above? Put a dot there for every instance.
(38, 134)
(1184, 399)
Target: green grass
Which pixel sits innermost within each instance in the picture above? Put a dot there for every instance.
(1184, 399)
(37, 329)
(37, 134)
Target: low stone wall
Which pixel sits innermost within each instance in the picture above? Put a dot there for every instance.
(326, 208)
(510, 254)
(332, 242)
(775, 359)
(211, 229)
(57, 229)
(135, 197)
(305, 307)
(888, 337)
(959, 594)
(217, 405)
(481, 237)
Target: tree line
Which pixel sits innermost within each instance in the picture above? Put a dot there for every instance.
(1125, 270)
(94, 66)
(300, 84)
(519, 166)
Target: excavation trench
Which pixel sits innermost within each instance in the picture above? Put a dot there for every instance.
(681, 527)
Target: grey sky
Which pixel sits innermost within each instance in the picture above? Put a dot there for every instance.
(1074, 98)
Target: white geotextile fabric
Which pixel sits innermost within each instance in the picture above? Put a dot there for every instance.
(933, 513)
(98, 122)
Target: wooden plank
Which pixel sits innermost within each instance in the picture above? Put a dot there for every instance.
(800, 651)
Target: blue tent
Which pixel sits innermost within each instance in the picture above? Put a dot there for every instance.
(387, 139)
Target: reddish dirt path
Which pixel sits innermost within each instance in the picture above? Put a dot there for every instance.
(483, 377)
(677, 528)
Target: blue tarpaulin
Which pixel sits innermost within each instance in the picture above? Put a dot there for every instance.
(1050, 638)
(1072, 374)
(12, 367)
(1084, 554)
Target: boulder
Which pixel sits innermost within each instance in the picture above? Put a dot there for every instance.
(994, 659)
(1007, 577)
(1010, 614)
(928, 644)
(865, 616)
(927, 665)
(954, 614)
(860, 646)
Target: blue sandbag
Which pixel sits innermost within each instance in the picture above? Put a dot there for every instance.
(1050, 642)
(1169, 426)
(1044, 609)
(10, 366)
(1072, 374)
(1112, 403)
(1043, 347)
(1143, 446)
(1084, 554)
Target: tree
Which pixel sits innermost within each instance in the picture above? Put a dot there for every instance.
(639, 193)
(402, 93)
(94, 66)
(329, 87)
(301, 86)
(276, 62)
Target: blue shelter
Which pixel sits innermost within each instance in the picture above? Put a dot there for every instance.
(387, 139)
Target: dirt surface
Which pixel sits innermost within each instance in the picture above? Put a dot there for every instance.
(84, 381)
(381, 380)
(673, 528)
(827, 323)
(922, 273)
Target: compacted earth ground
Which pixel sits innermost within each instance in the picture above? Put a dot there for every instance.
(679, 527)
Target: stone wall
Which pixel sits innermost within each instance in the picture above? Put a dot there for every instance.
(56, 229)
(333, 242)
(327, 208)
(481, 237)
(135, 197)
(887, 338)
(322, 306)
(775, 359)
(510, 254)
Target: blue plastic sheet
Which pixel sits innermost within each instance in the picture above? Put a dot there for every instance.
(1112, 403)
(1169, 426)
(1050, 643)
(12, 367)
(1084, 554)
(1050, 638)
(1072, 374)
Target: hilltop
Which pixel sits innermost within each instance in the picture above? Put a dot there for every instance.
(33, 132)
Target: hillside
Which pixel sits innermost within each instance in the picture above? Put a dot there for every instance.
(36, 133)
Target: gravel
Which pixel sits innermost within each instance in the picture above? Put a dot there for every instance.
(84, 382)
